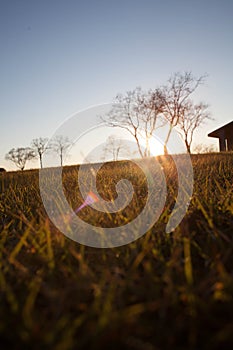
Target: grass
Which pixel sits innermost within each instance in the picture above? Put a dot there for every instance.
(162, 291)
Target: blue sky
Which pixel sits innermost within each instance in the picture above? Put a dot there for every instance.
(58, 57)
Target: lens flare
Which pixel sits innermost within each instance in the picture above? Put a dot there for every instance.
(90, 199)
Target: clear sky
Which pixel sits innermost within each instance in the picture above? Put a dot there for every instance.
(58, 57)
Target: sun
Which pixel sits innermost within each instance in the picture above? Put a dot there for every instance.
(156, 148)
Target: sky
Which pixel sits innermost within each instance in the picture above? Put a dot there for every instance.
(60, 57)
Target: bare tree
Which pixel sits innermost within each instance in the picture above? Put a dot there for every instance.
(60, 145)
(202, 148)
(114, 147)
(40, 146)
(20, 156)
(190, 119)
(137, 112)
(174, 95)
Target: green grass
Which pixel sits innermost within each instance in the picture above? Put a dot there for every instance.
(163, 291)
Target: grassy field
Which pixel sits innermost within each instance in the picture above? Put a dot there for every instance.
(163, 291)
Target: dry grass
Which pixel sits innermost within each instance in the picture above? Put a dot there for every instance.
(163, 291)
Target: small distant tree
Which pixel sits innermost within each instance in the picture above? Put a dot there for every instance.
(60, 145)
(191, 117)
(19, 156)
(139, 113)
(202, 148)
(114, 147)
(174, 96)
(40, 146)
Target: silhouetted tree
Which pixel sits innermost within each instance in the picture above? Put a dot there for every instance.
(114, 147)
(202, 148)
(19, 156)
(174, 96)
(60, 145)
(138, 112)
(191, 117)
(40, 146)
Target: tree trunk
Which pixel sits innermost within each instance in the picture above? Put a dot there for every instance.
(147, 149)
(41, 165)
(139, 147)
(167, 139)
(165, 151)
(188, 147)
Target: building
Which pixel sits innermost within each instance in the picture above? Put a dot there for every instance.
(225, 136)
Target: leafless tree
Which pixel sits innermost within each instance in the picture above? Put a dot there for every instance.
(139, 113)
(19, 156)
(202, 148)
(114, 147)
(191, 117)
(60, 145)
(174, 95)
(40, 146)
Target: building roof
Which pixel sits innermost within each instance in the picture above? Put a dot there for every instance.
(218, 132)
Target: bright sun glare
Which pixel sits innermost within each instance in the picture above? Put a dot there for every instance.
(156, 148)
